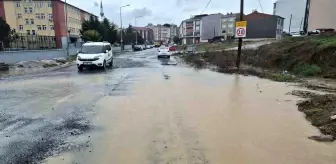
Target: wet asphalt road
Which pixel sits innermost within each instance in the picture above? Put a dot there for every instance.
(149, 111)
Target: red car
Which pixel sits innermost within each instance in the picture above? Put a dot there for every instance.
(172, 48)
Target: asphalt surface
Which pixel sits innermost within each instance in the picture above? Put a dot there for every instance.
(144, 110)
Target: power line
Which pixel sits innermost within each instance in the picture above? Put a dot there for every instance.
(261, 6)
(206, 6)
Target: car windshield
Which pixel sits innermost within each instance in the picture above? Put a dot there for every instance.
(91, 49)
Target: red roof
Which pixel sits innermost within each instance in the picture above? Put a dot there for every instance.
(256, 15)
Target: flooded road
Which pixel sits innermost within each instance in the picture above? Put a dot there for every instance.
(145, 112)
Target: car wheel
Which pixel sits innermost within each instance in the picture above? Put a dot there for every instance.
(104, 65)
(111, 63)
(80, 68)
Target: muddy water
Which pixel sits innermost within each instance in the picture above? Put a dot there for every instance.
(201, 117)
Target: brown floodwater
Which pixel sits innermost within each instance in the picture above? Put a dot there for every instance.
(201, 117)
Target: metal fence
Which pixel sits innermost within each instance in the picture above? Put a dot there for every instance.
(21, 42)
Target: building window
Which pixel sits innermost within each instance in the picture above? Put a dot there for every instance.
(30, 10)
(224, 19)
(44, 27)
(38, 16)
(230, 25)
(49, 4)
(41, 4)
(50, 16)
(19, 15)
(197, 28)
(31, 21)
(27, 21)
(20, 27)
(18, 4)
(33, 32)
(52, 27)
(28, 32)
(232, 19)
(39, 27)
(197, 23)
(42, 16)
(25, 10)
(224, 25)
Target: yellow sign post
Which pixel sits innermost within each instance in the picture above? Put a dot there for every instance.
(241, 29)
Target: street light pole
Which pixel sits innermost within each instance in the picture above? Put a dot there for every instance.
(121, 30)
(136, 32)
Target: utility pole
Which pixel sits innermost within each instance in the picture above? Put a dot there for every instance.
(290, 23)
(301, 24)
(67, 28)
(240, 41)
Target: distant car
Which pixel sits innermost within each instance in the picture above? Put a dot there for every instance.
(148, 47)
(163, 52)
(137, 48)
(172, 48)
(295, 34)
(92, 54)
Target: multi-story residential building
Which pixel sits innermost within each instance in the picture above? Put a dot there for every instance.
(44, 18)
(173, 31)
(200, 28)
(294, 13)
(229, 25)
(320, 15)
(161, 33)
(261, 25)
(146, 33)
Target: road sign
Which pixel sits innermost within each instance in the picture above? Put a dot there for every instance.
(241, 29)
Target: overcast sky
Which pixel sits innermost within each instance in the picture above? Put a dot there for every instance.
(166, 11)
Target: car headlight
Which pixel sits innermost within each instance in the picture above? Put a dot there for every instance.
(97, 57)
(78, 57)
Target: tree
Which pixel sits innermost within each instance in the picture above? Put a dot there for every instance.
(91, 35)
(4, 32)
(176, 40)
(105, 28)
(166, 25)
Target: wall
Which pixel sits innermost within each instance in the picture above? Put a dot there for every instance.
(262, 28)
(297, 8)
(211, 25)
(59, 21)
(2, 10)
(322, 14)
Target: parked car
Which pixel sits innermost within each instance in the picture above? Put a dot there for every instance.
(137, 48)
(163, 52)
(148, 47)
(94, 54)
(172, 48)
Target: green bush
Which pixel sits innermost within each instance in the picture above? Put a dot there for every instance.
(281, 77)
(308, 70)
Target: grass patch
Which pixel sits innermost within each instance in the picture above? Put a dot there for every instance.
(71, 57)
(307, 70)
(280, 77)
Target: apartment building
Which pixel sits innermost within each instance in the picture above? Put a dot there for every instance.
(262, 26)
(320, 14)
(228, 23)
(146, 33)
(293, 11)
(44, 18)
(200, 28)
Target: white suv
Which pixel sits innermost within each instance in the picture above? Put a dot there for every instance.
(95, 54)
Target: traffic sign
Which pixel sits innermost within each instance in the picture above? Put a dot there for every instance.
(241, 29)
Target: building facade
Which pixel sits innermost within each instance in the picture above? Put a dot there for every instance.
(320, 15)
(261, 26)
(44, 18)
(228, 23)
(294, 13)
(146, 33)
